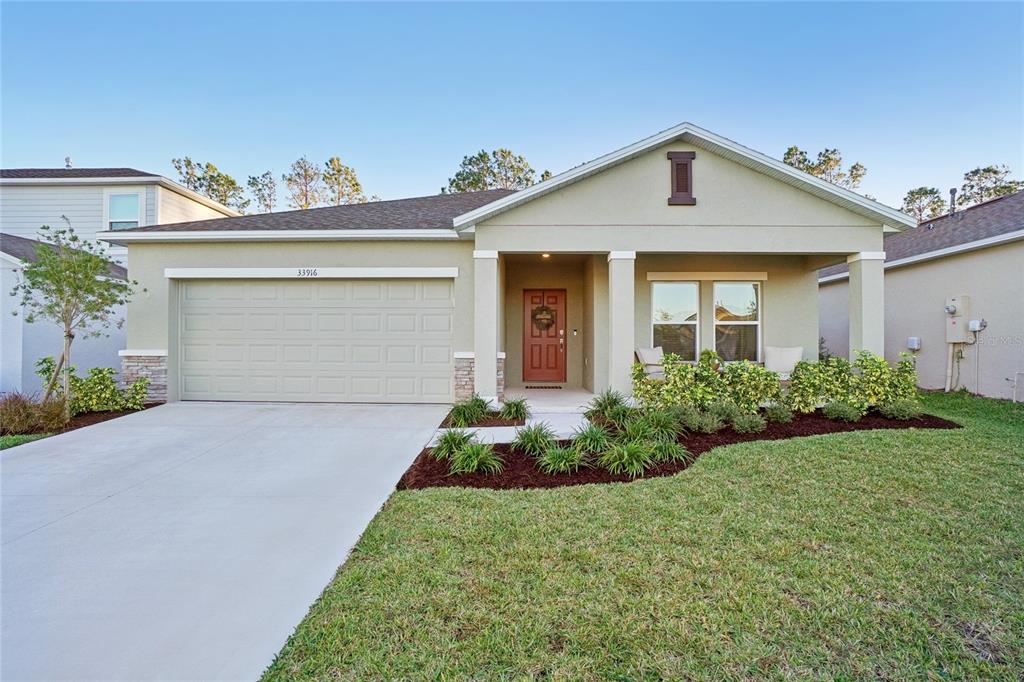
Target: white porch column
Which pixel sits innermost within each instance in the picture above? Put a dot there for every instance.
(485, 324)
(621, 320)
(867, 302)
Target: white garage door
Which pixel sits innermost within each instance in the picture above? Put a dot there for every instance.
(316, 340)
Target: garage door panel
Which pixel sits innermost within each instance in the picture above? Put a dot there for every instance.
(369, 341)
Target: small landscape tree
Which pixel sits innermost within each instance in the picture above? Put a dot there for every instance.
(70, 284)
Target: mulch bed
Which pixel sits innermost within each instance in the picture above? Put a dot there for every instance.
(521, 469)
(492, 419)
(90, 418)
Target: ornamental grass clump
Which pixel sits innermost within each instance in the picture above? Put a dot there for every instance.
(515, 410)
(591, 439)
(561, 460)
(638, 429)
(21, 415)
(631, 459)
(450, 442)
(779, 413)
(664, 452)
(604, 402)
(749, 423)
(535, 440)
(468, 412)
(475, 458)
(901, 409)
(619, 416)
(842, 411)
(662, 424)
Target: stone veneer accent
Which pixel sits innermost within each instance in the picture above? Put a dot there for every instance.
(153, 367)
(464, 370)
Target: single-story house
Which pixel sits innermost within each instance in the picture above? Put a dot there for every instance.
(972, 259)
(685, 240)
(94, 201)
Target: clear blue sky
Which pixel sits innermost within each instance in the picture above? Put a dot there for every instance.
(918, 92)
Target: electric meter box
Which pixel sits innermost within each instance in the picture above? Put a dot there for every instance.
(956, 321)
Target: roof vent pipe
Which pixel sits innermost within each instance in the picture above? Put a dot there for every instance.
(952, 200)
(67, 163)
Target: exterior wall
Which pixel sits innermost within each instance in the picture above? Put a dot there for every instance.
(564, 272)
(152, 315)
(915, 296)
(788, 297)
(152, 367)
(177, 208)
(25, 208)
(738, 210)
(10, 330)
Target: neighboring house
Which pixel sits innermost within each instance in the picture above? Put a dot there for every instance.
(978, 253)
(94, 200)
(430, 299)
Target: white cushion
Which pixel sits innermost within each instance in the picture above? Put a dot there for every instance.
(650, 356)
(782, 359)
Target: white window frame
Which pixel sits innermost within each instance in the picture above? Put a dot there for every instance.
(696, 323)
(115, 191)
(760, 316)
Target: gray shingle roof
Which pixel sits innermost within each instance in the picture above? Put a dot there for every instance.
(989, 219)
(421, 213)
(25, 250)
(57, 173)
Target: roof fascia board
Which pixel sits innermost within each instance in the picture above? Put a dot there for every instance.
(939, 253)
(129, 237)
(717, 144)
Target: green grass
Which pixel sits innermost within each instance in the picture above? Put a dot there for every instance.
(892, 555)
(11, 441)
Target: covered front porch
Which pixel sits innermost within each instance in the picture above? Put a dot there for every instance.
(558, 327)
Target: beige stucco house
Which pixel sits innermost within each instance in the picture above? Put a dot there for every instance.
(685, 240)
(972, 259)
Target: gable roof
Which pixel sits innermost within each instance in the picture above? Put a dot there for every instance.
(704, 139)
(986, 224)
(23, 250)
(56, 173)
(402, 216)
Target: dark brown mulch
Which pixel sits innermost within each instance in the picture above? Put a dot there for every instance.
(492, 419)
(521, 469)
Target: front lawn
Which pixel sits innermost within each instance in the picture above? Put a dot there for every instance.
(872, 554)
(11, 441)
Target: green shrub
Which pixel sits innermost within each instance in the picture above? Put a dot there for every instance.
(901, 409)
(590, 439)
(778, 413)
(904, 379)
(669, 451)
(687, 416)
(534, 440)
(663, 425)
(814, 383)
(604, 402)
(468, 412)
(17, 414)
(843, 411)
(619, 416)
(707, 423)
(134, 396)
(749, 423)
(515, 410)
(559, 460)
(450, 442)
(685, 383)
(631, 459)
(726, 411)
(475, 458)
(98, 390)
(751, 385)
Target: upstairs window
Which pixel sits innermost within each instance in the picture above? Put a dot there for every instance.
(122, 211)
(674, 317)
(682, 178)
(738, 321)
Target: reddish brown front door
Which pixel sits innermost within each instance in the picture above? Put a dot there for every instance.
(544, 335)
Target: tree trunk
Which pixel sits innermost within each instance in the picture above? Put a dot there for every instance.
(68, 338)
(52, 383)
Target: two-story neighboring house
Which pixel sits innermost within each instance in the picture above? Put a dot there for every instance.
(93, 200)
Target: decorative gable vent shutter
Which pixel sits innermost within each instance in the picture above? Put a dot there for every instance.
(682, 178)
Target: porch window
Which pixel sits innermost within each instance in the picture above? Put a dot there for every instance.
(674, 314)
(738, 320)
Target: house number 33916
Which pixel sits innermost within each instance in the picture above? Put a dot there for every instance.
(307, 272)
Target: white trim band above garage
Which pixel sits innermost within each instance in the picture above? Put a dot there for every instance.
(622, 255)
(707, 276)
(129, 236)
(469, 355)
(485, 254)
(142, 353)
(939, 253)
(866, 255)
(311, 272)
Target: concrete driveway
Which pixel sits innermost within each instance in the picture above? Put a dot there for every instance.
(187, 541)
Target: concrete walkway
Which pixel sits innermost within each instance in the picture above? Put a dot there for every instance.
(563, 424)
(187, 541)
